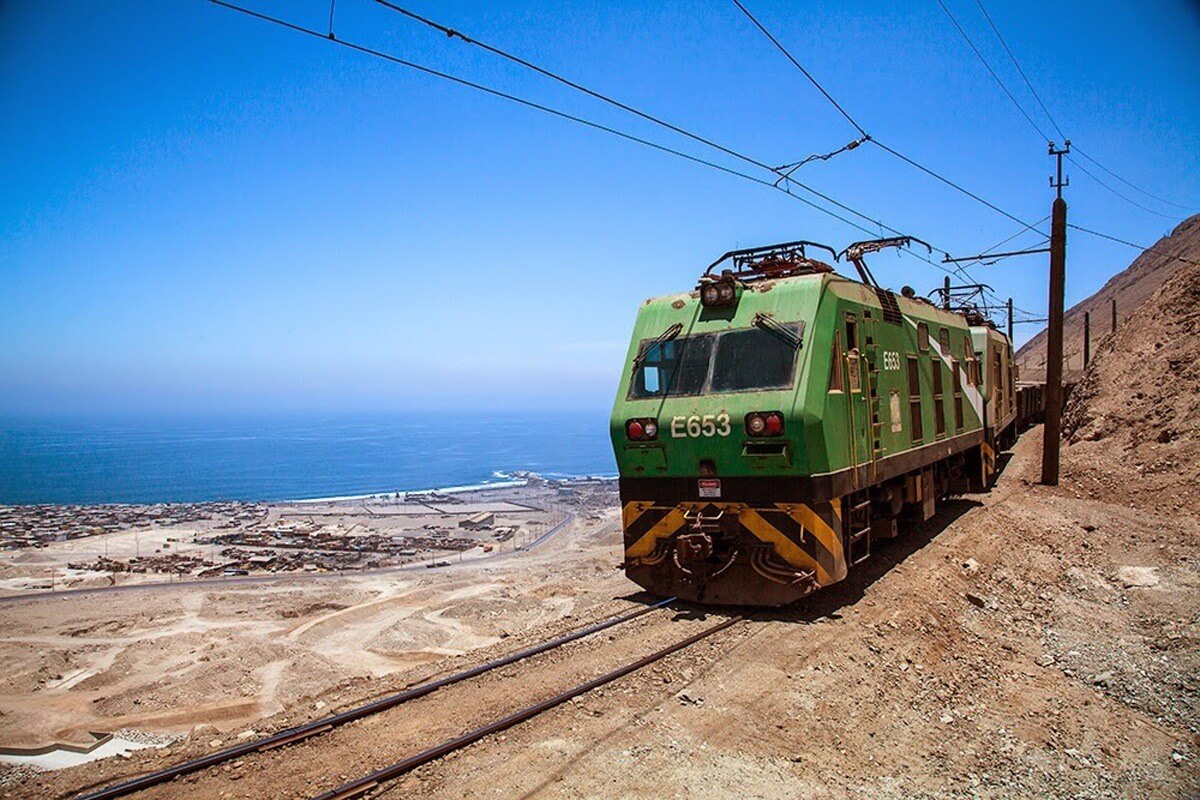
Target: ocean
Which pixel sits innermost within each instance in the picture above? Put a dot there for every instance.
(191, 458)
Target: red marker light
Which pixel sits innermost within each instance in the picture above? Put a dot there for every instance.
(764, 423)
(640, 430)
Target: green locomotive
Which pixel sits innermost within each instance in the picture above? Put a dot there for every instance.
(779, 418)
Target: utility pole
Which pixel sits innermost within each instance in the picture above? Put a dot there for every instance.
(1010, 321)
(1114, 314)
(946, 294)
(1087, 338)
(1052, 434)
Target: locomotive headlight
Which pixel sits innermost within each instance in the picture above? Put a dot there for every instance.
(718, 293)
(764, 423)
(650, 427)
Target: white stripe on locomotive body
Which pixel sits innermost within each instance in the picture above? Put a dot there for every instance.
(972, 393)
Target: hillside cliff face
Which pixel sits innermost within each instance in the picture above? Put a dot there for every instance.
(1131, 288)
(1132, 423)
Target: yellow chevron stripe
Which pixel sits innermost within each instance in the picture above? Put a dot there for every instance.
(631, 512)
(754, 522)
(812, 522)
(786, 548)
(836, 505)
(644, 546)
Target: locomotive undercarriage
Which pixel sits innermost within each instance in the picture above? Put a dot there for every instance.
(774, 554)
(734, 553)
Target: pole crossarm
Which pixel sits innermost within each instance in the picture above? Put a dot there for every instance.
(995, 256)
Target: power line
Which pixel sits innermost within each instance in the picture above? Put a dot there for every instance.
(451, 32)
(1008, 239)
(992, 72)
(800, 67)
(1016, 64)
(960, 270)
(784, 173)
(570, 117)
(1128, 243)
(1012, 57)
(456, 34)
(1189, 209)
(954, 185)
(1126, 198)
(868, 137)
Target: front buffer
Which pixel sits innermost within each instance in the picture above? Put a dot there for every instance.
(736, 553)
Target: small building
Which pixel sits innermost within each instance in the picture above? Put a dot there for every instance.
(478, 522)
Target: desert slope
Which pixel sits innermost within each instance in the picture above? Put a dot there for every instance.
(1131, 288)
(1132, 427)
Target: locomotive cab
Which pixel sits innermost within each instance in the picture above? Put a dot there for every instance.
(710, 422)
(773, 420)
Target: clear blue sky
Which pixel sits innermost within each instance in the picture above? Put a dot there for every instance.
(198, 210)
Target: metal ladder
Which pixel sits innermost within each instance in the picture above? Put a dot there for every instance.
(858, 527)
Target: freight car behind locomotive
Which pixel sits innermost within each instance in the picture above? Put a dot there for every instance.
(774, 422)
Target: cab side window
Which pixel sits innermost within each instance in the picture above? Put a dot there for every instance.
(914, 398)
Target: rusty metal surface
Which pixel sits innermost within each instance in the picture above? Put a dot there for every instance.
(773, 261)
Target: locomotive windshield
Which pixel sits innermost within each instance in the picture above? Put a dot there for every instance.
(753, 359)
(677, 367)
(712, 363)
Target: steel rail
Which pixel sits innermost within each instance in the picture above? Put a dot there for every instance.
(301, 732)
(370, 781)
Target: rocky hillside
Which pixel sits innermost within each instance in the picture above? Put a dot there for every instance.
(1133, 422)
(1131, 288)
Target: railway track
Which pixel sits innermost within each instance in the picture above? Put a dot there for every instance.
(372, 780)
(357, 787)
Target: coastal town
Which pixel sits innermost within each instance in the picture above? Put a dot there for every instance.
(56, 547)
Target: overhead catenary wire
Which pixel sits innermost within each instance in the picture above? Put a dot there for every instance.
(867, 136)
(1076, 151)
(788, 178)
(785, 170)
(454, 33)
(799, 66)
(1124, 197)
(1032, 90)
(1020, 71)
(1128, 243)
(1003, 86)
(340, 41)
(1006, 240)
(783, 173)
(1043, 135)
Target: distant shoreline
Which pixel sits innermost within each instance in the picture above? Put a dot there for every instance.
(478, 487)
(510, 483)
